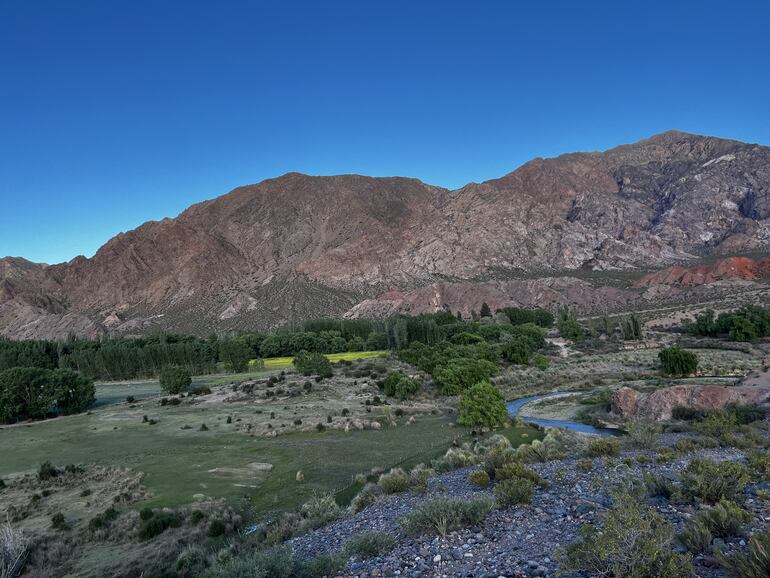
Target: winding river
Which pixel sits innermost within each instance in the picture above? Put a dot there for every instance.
(514, 409)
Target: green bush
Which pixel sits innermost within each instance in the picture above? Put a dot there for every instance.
(482, 405)
(308, 363)
(370, 544)
(479, 478)
(725, 519)
(174, 379)
(677, 361)
(709, 481)
(603, 447)
(367, 496)
(157, 524)
(514, 491)
(217, 528)
(320, 509)
(58, 522)
(696, 536)
(633, 542)
(46, 472)
(396, 384)
(518, 350)
(517, 471)
(395, 481)
(441, 516)
(541, 362)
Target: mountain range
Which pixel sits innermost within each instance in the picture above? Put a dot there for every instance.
(299, 246)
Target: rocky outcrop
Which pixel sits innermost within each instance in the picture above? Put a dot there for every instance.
(548, 293)
(730, 268)
(658, 405)
(303, 246)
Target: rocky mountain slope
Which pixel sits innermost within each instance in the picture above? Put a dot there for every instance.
(300, 246)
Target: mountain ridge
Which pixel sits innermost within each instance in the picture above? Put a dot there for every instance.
(299, 246)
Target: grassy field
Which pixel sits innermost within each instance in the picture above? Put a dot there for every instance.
(182, 463)
(277, 363)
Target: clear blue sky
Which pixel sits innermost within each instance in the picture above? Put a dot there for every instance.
(117, 112)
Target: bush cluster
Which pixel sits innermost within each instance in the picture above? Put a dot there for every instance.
(441, 516)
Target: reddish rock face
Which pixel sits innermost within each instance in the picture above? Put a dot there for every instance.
(659, 405)
(300, 246)
(722, 269)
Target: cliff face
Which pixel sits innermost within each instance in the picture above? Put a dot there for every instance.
(299, 246)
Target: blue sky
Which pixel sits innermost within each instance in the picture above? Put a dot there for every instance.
(114, 113)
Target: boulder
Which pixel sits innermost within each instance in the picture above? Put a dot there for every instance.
(658, 405)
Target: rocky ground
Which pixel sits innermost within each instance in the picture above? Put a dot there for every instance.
(522, 540)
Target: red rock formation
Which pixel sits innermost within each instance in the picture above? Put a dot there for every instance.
(658, 405)
(729, 268)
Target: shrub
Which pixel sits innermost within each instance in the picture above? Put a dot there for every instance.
(157, 524)
(677, 361)
(634, 542)
(308, 363)
(479, 478)
(603, 447)
(46, 472)
(585, 465)
(367, 496)
(58, 522)
(441, 516)
(658, 486)
(101, 520)
(320, 509)
(514, 491)
(543, 450)
(643, 435)
(456, 458)
(174, 378)
(710, 481)
(725, 519)
(518, 350)
(541, 362)
(394, 481)
(401, 386)
(419, 477)
(216, 528)
(482, 405)
(145, 514)
(517, 471)
(753, 564)
(718, 424)
(696, 536)
(370, 544)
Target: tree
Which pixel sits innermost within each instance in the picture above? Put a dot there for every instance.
(482, 405)
(485, 310)
(174, 378)
(743, 330)
(235, 354)
(459, 374)
(356, 344)
(308, 362)
(518, 350)
(677, 361)
(376, 341)
(34, 392)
